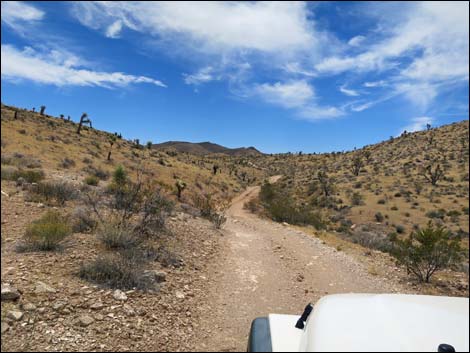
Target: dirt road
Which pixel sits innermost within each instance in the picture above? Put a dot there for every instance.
(266, 267)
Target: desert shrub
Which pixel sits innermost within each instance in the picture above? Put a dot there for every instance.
(59, 192)
(465, 210)
(251, 205)
(46, 233)
(8, 172)
(356, 199)
(394, 208)
(381, 202)
(400, 229)
(115, 271)
(20, 160)
(115, 236)
(370, 240)
(29, 175)
(97, 172)
(218, 219)
(82, 221)
(281, 208)
(436, 214)
(379, 217)
(427, 251)
(91, 180)
(67, 163)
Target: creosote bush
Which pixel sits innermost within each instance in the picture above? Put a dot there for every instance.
(52, 191)
(427, 251)
(46, 233)
(115, 236)
(91, 180)
(115, 271)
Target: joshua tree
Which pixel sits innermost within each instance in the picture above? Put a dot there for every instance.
(62, 116)
(111, 140)
(325, 183)
(16, 115)
(367, 154)
(149, 145)
(83, 120)
(180, 186)
(433, 172)
(43, 108)
(215, 168)
(34, 109)
(68, 117)
(428, 126)
(357, 165)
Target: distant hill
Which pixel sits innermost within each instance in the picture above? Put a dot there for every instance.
(204, 148)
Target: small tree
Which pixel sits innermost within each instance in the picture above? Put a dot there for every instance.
(433, 173)
(83, 120)
(149, 145)
(111, 140)
(180, 186)
(357, 164)
(427, 251)
(43, 108)
(325, 183)
(215, 168)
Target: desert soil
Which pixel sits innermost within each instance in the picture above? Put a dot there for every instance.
(266, 267)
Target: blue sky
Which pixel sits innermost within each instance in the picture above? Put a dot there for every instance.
(294, 76)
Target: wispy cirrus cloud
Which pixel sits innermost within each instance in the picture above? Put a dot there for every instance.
(60, 69)
(18, 14)
(348, 92)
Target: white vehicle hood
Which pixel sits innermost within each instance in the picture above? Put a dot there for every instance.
(377, 323)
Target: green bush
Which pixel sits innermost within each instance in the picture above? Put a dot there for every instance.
(115, 271)
(427, 251)
(115, 236)
(52, 191)
(29, 175)
(82, 220)
(46, 233)
(379, 217)
(436, 214)
(91, 180)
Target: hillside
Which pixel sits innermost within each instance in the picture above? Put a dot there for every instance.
(205, 148)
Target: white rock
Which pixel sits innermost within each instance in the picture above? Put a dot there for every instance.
(41, 287)
(119, 295)
(179, 295)
(15, 315)
(9, 293)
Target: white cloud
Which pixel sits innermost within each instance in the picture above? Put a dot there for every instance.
(17, 13)
(293, 94)
(380, 83)
(60, 69)
(296, 68)
(356, 41)
(348, 92)
(315, 112)
(418, 124)
(297, 95)
(426, 44)
(361, 107)
(114, 29)
(202, 76)
(214, 26)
